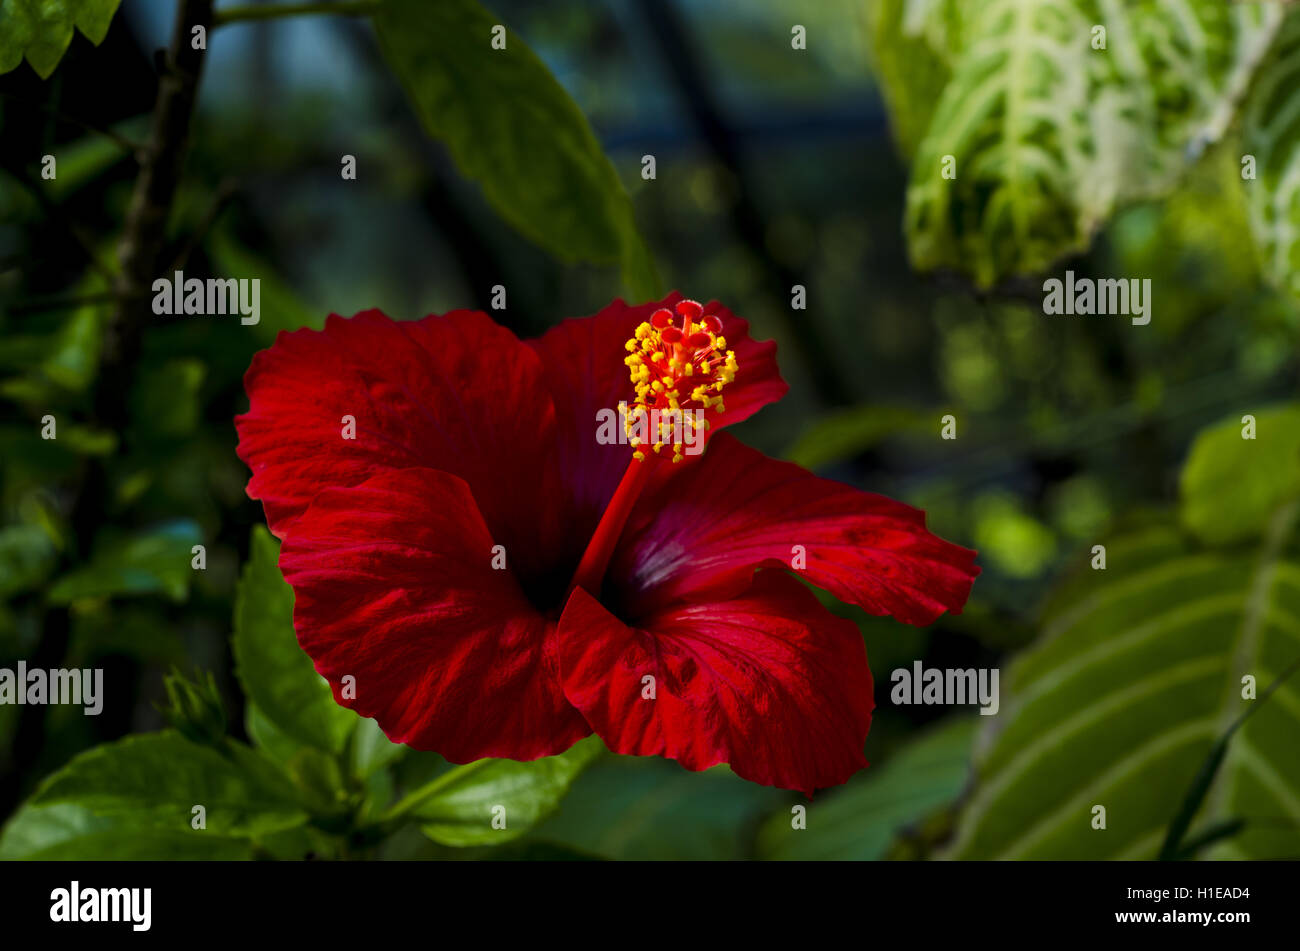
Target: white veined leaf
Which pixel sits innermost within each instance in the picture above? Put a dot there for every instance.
(1271, 137)
(1044, 135)
(913, 44)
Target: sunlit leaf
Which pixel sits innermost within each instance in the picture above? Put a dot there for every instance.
(1231, 486)
(1043, 135)
(42, 29)
(1271, 141)
(70, 832)
(913, 46)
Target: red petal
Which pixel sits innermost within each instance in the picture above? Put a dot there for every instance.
(393, 584)
(701, 535)
(456, 392)
(585, 372)
(770, 682)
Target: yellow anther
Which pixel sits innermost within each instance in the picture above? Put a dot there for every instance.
(657, 367)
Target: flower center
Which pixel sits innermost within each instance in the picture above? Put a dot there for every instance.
(678, 365)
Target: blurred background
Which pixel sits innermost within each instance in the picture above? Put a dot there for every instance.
(772, 171)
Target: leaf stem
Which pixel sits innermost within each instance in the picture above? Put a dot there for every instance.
(356, 8)
(404, 806)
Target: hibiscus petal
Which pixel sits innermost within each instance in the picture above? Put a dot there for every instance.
(770, 682)
(394, 585)
(703, 533)
(585, 372)
(429, 393)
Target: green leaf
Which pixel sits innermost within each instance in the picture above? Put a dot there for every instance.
(165, 399)
(1271, 135)
(1050, 136)
(152, 562)
(277, 745)
(276, 674)
(82, 161)
(70, 832)
(861, 819)
(154, 780)
(646, 808)
(75, 361)
(1138, 674)
(913, 45)
(42, 29)
(511, 127)
(1176, 844)
(27, 556)
(371, 749)
(60, 363)
(459, 807)
(1231, 486)
(281, 307)
(848, 432)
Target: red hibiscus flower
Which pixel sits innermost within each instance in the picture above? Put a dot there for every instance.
(502, 578)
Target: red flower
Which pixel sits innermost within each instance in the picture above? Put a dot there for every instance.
(640, 598)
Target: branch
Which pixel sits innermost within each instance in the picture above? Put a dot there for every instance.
(225, 192)
(677, 53)
(140, 252)
(144, 239)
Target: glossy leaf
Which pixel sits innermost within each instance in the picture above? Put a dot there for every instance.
(464, 802)
(71, 832)
(154, 780)
(275, 672)
(514, 129)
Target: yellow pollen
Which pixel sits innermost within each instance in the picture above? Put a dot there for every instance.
(673, 346)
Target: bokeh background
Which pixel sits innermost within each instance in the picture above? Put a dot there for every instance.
(773, 169)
